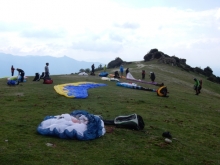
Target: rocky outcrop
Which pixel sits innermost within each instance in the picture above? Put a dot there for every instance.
(167, 60)
(115, 63)
(164, 58)
(181, 63)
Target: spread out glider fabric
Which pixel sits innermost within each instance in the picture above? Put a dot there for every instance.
(83, 74)
(109, 79)
(134, 86)
(17, 78)
(13, 82)
(103, 74)
(76, 90)
(130, 77)
(78, 125)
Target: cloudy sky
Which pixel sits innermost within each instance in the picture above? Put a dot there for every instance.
(101, 30)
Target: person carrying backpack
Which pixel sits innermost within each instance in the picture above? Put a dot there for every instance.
(197, 86)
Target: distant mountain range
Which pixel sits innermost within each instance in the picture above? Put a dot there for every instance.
(36, 64)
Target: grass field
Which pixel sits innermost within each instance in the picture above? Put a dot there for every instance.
(192, 120)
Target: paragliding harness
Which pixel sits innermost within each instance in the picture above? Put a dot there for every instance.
(116, 74)
(48, 81)
(162, 91)
(132, 121)
(42, 75)
(46, 77)
(12, 82)
(37, 77)
(92, 74)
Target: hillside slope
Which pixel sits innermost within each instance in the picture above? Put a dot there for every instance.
(192, 120)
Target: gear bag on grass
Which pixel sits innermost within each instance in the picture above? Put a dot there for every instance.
(133, 121)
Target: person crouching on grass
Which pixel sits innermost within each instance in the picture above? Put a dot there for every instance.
(21, 73)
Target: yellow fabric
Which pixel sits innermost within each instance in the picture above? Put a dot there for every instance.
(158, 91)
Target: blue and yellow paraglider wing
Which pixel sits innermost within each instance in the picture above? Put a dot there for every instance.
(76, 90)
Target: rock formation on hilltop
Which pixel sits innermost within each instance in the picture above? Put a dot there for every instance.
(175, 61)
(155, 54)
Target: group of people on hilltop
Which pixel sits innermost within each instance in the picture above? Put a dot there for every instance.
(22, 73)
(197, 85)
(152, 75)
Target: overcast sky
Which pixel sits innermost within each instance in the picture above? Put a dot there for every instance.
(101, 30)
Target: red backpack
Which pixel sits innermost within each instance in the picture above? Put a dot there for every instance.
(48, 81)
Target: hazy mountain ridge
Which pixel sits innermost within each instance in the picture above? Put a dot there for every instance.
(35, 64)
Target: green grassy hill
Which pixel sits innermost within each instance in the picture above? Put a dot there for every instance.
(192, 120)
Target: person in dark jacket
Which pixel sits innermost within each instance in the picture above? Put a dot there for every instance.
(116, 74)
(21, 73)
(127, 71)
(200, 87)
(152, 76)
(143, 74)
(12, 70)
(93, 69)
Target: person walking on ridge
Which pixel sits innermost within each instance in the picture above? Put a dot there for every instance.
(196, 86)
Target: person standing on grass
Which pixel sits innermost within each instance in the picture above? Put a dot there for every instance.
(93, 69)
(46, 69)
(196, 86)
(104, 68)
(200, 87)
(127, 71)
(152, 76)
(143, 74)
(12, 70)
(21, 73)
(121, 70)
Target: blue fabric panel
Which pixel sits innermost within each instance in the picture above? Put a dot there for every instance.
(94, 128)
(80, 91)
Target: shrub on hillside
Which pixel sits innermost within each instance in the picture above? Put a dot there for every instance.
(199, 70)
(212, 78)
(208, 71)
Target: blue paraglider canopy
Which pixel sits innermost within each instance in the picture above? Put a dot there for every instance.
(76, 90)
(103, 74)
(78, 125)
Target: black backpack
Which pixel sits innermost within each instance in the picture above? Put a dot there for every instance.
(133, 121)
